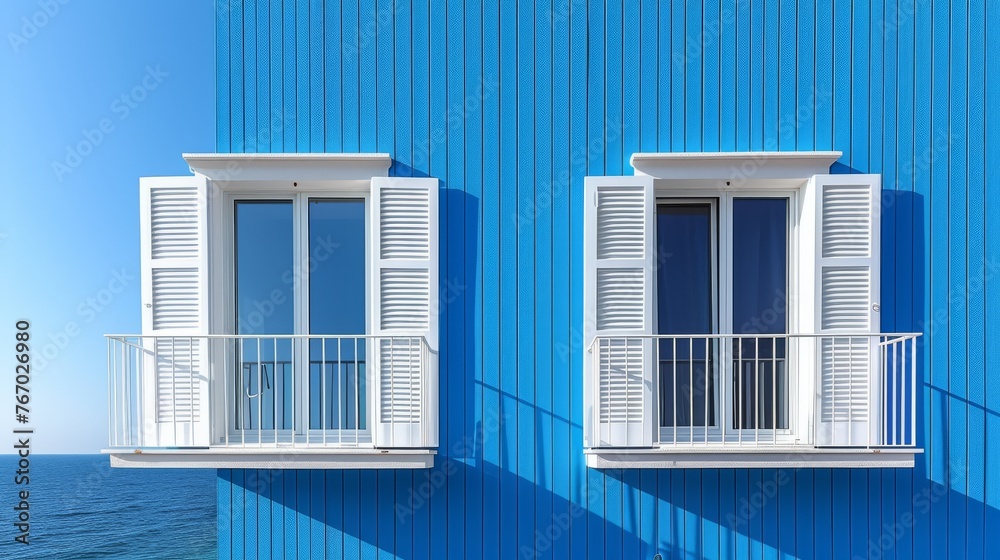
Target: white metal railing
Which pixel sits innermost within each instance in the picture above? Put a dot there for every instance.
(268, 391)
(852, 390)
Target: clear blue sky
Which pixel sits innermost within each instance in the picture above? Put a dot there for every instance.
(69, 222)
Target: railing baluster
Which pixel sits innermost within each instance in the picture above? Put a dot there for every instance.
(706, 386)
(756, 388)
(774, 390)
(673, 391)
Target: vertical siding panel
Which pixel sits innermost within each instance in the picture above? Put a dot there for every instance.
(823, 65)
(978, 276)
(544, 292)
(225, 514)
(648, 109)
(744, 77)
(492, 356)
(352, 515)
(842, 525)
(770, 31)
(632, 56)
(938, 227)
(991, 149)
(805, 105)
(476, 92)
(384, 72)
(454, 123)
(744, 517)
(335, 514)
(755, 513)
(239, 523)
(250, 47)
(729, 521)
(755, 91)
(262, 132)
(693, 74)
(678, 84)
(678, 515)
(647, 514)
(317, 109)
(805, 507)
(508, 281)
(664, 75)
(525, 248)
(333, 94)
(958, 238)
(369, 514)
(236, 49)
(402, 106)
(252, 523)
(859, 93)
(692, 513)
(386, 514)
(223, 63)
(562, 339)
(907, 236)
(259, 486)
(664, 515)
(318, 535)
(787, 116)
(769, 511)
(860, 507)
(578, 160)
(401, 527)
(788, 517)
(710, 512)
(823, 516)
(302, 55)
(288, 96)
(842, 45)
(303, 520)
(613, 513)
(351, 83)
(729, 123)
(711, 67)
(368, 23)
(275, 489)
(276, 117)
(613, 117)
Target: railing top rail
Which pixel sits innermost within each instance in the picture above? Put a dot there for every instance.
(902, 335)
(122, 337)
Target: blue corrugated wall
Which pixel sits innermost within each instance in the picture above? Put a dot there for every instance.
(510, 106)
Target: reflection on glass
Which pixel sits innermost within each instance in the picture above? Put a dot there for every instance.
(265, 302)
(337, 279)
(760, 279)
(684, 298)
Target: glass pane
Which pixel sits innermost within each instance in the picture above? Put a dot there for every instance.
(685, 246)
(760, 305)
(265, 302)
(337, 303)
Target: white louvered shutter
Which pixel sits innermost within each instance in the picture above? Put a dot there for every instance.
(847, 278)
(174, 380)
(619, 263)
(404, 275)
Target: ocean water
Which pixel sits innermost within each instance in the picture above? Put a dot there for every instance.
(82, 508)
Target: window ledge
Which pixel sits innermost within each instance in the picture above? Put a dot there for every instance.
(271, 458)
(290, 166)
(735, 169)
(731, 457)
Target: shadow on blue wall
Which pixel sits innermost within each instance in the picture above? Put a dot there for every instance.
(480, 501)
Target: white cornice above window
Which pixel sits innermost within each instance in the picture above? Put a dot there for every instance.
(310, 167)
(729, 170)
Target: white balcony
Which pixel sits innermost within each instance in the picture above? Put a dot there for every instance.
(725, 400)
(278, 401)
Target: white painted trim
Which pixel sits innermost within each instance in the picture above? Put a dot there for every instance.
(213, 458)
(707, 169)
(729, 458)
(230, 168)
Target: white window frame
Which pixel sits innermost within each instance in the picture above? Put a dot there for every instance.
(300, 288)
(799, 176)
